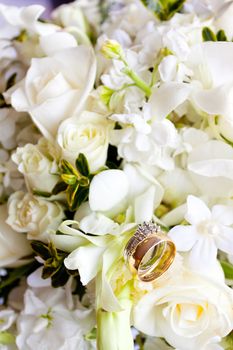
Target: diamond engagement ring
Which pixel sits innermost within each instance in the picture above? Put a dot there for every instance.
(149, 252)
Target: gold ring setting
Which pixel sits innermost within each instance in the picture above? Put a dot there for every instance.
(149, 252)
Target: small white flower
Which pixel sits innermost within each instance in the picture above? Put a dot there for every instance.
(46, 322)
(209, 230)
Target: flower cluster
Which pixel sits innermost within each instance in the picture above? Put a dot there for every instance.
(112, 114)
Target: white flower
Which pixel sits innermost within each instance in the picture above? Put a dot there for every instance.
(26, 18)
(46, 322)
(14, 245)
(88, 134)
(189, 311)
(147, 144)
(55, 87)
(37, 168)
(208, 231)
(34, 215)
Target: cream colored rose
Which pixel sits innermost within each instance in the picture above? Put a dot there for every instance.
(55, 87)
(87, 134)
(33, 215)
(189, 311)
(38, 169)
(13, 245)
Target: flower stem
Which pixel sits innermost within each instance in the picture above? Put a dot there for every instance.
(137, 80)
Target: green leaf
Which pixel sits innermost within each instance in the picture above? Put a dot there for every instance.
(164, 9)
(70, 195)
(208, 34)
(84, 182)
(221, 36)
(80, 196)
(59, 187)
(60, 278)
(82, 165)
(11, 81)
(67, 168)
(41, 194)
(228, 269)
(69, 179)
(41, 249)
(51, 266)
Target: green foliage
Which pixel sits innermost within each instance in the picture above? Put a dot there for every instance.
(209, 35)
(53, 262)
(75, 181)
(164, 9)
(227, 269)
(221, 36)
(54, 267)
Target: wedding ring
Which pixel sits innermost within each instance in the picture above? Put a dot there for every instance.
(149, 252)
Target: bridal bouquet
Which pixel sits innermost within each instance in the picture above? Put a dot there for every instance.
(116, 176)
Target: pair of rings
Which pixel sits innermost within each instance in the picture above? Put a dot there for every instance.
(149, 252)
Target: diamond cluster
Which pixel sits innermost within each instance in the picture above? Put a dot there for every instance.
(143, 230)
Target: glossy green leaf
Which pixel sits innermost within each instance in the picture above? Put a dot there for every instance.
(208, 34)
(69, 179)
(82, 165)
(221, 36)
(164, 9)
(41, 249)
(41, 194)
(80, 197)
(228, 269)
(59, 187)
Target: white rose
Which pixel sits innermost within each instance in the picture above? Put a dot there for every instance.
(55, 87)
(87, 134)
(37, 168)
(13, 245)
(33, 215)
(189, 312)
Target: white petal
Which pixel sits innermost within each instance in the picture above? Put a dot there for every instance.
(197, 210)
(108, 189)
(214, 101)
(87, 260)
(223, 214)
(56, 41)
(203, 253)
(224, 240)
(144, 206)
(168, 67)
(166, 98)
(97, 224)
(184, 237)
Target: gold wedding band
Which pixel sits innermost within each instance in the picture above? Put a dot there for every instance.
(149, 252)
